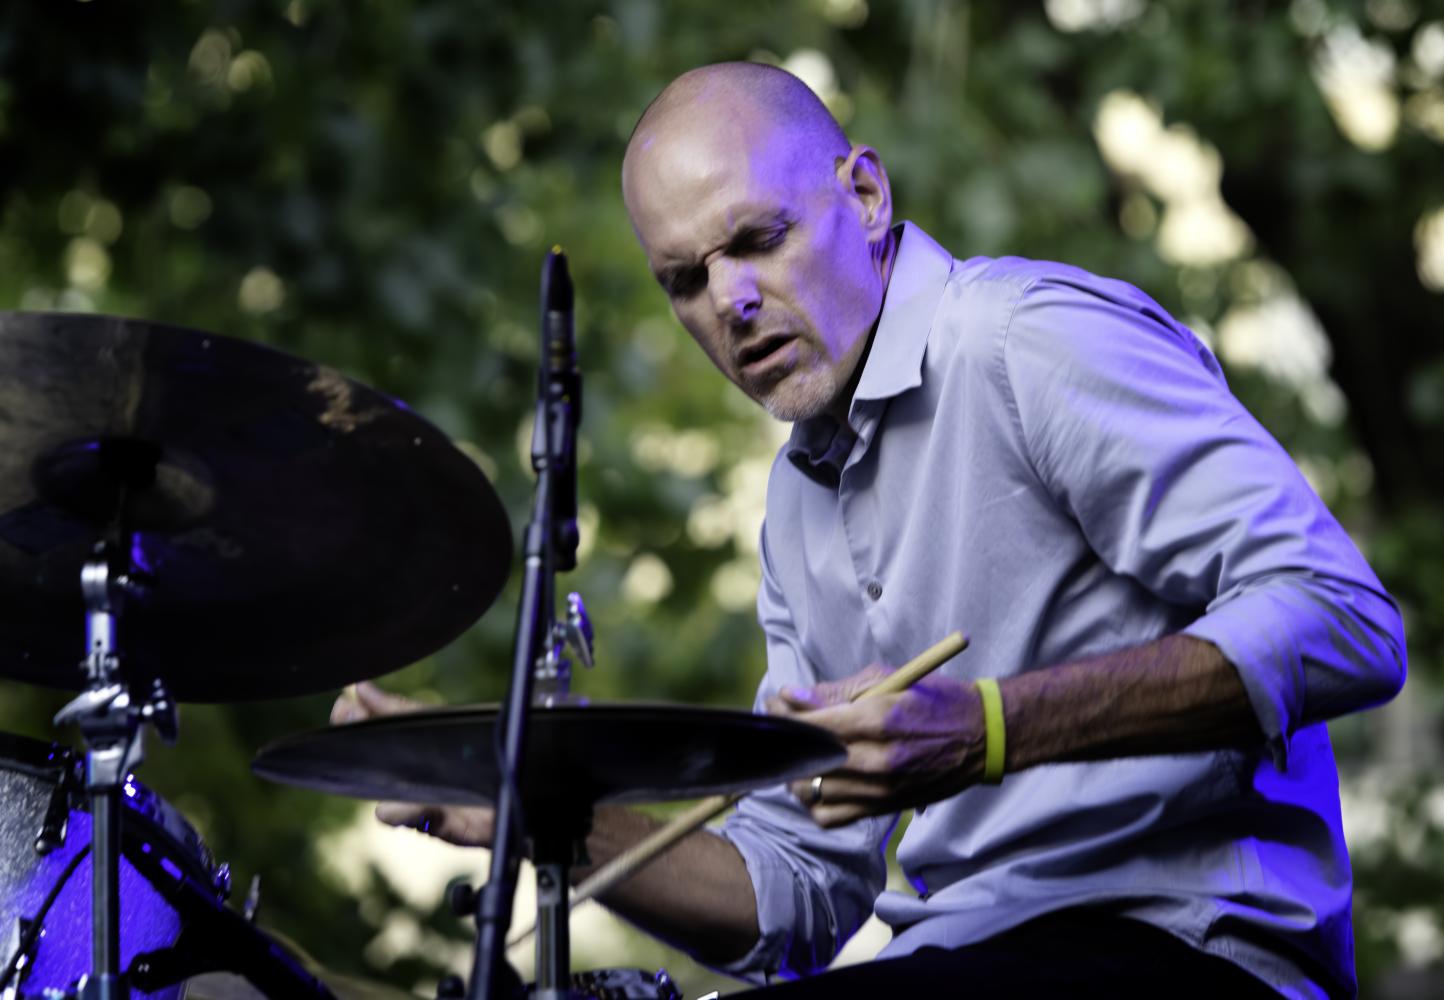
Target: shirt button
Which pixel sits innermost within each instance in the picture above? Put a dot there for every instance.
(874, 590)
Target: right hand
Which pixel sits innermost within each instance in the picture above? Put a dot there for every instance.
(466, 826)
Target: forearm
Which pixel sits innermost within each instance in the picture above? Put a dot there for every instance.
(1174, 695)
(698, 895)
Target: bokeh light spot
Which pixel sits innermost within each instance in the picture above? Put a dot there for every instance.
(87, 264)
(261, 292)
(734, 585)
(502, 143)
(647, 580)
(844, 13)
(210, 59)
(189, 207)
(248, 71)
(1429, 247)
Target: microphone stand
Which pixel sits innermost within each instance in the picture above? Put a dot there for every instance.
(550, 545)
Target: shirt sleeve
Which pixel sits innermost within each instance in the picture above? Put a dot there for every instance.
(1129, 424)
(814, 887)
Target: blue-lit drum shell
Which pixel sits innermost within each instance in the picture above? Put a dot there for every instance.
(156, 841)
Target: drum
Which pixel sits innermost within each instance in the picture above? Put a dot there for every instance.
(624, 984)
(45, 876)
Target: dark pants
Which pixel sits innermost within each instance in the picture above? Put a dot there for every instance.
(1074, 953)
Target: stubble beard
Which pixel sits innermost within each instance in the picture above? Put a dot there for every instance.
(801, 395)
(810, 390)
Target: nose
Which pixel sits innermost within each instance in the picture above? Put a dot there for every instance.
(733, 286)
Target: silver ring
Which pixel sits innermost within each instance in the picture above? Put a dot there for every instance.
(816, 790)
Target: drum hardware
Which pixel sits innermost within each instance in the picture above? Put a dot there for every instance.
(550, 547)
(237, 474)
(625, 984)
(56, 823)
(252, 906)
(110, 723)
(42, 896)
(217, 939)
(570, 635)
(595, 984)
(19, 951)
(165, 854)
(324, 531)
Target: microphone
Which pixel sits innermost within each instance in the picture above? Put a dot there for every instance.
(562, 390)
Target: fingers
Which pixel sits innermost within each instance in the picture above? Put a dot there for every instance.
(863, 720)
(840, 787)
(379, 702)
(830, 817)
(367, 701)
(847, 798)
(347, 707)
(793, 699)
(465, 827)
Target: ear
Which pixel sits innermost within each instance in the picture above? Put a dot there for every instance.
(862, 175)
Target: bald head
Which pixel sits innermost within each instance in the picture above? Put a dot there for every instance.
(741, 103)
(769, 232)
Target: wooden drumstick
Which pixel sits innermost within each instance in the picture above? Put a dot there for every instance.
(649, 848)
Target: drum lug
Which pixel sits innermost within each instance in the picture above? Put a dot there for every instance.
(19, 953)
(53, 827)
(161, 713)
(252, 906)
(221, 880)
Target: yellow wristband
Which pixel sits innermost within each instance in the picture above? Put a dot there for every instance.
(992, 730)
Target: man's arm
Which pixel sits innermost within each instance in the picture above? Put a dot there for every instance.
(698, 895)
(1126, 420)
(1175, 695)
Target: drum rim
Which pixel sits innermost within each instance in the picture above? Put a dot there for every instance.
(40, 758)
(182, 843)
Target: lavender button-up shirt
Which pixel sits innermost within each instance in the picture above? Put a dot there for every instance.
(1048, 461)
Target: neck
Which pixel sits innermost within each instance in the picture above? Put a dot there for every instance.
(886, 254)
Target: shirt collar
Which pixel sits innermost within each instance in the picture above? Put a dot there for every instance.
(818, 446)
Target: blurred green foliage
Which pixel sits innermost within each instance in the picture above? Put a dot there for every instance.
(372, 185)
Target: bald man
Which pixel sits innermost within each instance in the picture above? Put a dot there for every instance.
(1162, 612)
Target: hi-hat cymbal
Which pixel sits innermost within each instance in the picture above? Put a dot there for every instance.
(591, 754)
(294, 529)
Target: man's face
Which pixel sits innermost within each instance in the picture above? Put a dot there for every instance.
(765, 257)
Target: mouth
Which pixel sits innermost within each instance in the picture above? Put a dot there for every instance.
(762, 353)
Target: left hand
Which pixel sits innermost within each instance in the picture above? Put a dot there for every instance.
(903, 750)
(465, 826)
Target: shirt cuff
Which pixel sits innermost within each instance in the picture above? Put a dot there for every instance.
(1247, 631)
(775, 910)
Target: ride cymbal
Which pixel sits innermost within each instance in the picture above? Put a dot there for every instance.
(293, 530)
(625, 753)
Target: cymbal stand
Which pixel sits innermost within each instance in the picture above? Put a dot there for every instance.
(550, 545)
(558, 841)
(110, 723)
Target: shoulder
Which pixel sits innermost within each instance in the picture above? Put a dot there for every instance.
(1019, 310)
(1009, 282)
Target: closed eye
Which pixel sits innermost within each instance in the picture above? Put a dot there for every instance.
(757, 240)
(684, 282)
